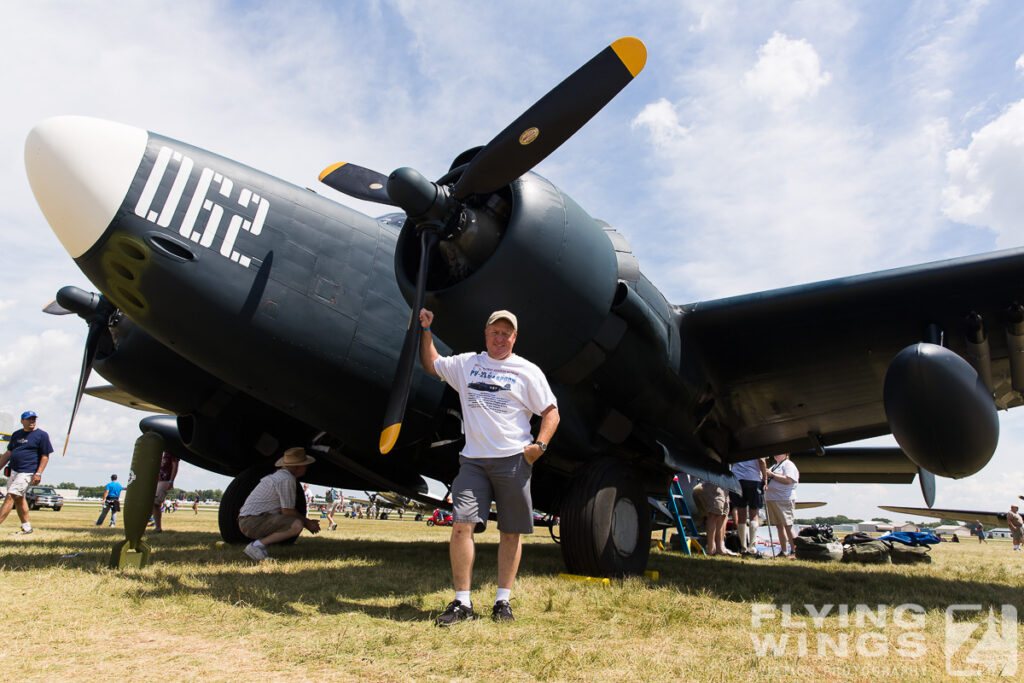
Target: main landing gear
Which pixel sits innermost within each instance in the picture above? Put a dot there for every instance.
(605, 522)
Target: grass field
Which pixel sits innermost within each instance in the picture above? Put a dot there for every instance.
(358, 604)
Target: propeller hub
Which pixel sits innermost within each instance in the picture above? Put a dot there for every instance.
(426, 203)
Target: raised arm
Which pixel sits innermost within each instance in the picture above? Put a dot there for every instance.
(428, 354)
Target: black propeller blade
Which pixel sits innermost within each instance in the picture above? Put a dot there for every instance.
(92, 341)
(553, 119)
(358, 182)
(96, 310)
(436, 210)
(54, 308)
(410, 349)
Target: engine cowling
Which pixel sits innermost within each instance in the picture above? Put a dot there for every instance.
(529, 249)
(940, 411)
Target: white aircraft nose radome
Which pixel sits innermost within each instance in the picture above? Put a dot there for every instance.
(80, 169)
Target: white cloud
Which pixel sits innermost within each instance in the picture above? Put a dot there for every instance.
(984, 178)
(787, 71)
(662, 122)
(5, 306)
(770, 202)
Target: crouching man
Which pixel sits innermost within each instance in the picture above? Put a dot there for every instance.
(269, 514)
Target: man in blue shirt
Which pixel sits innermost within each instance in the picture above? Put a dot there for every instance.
(27, 454)
(111, 500)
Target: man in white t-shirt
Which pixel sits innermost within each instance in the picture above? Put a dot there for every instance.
(499, 392)
(779, 495)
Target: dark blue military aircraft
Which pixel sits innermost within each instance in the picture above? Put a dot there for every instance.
(258, 315)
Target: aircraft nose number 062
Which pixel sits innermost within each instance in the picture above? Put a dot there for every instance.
(199, 203)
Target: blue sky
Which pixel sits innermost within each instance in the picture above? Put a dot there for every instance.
(766, 144)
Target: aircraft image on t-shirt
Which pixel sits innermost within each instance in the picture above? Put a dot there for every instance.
(486, 386)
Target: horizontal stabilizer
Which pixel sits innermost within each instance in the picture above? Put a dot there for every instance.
(990, 518)
(855, 466)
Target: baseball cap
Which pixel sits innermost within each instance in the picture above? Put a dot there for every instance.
(504, 315)
(27, 414)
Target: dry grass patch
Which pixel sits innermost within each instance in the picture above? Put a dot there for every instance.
(358, 603)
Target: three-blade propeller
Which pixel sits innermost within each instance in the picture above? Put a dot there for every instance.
(96, 310)
(434, 210)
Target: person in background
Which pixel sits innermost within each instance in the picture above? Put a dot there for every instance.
(747, 505)
(716, 505)
(780, 499)
(1016, 524)
(164, 482)
(27, 454)
(269, 515)
(979, 531)
(111, 501)
(335, 501)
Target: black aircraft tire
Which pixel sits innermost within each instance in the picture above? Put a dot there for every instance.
(605, 522)
(233, 499)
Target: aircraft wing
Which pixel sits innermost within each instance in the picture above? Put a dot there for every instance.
(990, 518)
(803, 367)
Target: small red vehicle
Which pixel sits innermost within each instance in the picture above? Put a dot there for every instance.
(440, 518)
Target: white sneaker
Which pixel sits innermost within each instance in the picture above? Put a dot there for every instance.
(256, 552)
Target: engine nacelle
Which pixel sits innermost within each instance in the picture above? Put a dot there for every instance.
(552, 263)
(940, 411)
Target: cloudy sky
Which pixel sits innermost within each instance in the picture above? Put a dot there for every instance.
(765, 144)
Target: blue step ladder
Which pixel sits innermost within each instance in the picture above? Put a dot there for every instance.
(682, 517)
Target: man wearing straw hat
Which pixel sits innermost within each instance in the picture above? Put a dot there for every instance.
(269, 515)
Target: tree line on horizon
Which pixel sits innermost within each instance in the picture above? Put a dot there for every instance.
(99, 491)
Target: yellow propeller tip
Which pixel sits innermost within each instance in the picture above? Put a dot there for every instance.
(632, 52)
(389, 436)
(331, 169)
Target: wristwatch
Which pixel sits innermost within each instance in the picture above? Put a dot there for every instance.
(543, 446)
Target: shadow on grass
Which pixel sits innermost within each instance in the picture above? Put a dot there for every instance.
(362, 573)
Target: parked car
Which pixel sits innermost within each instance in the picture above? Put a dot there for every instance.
(43, 497)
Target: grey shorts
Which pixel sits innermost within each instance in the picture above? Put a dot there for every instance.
(506, 481)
